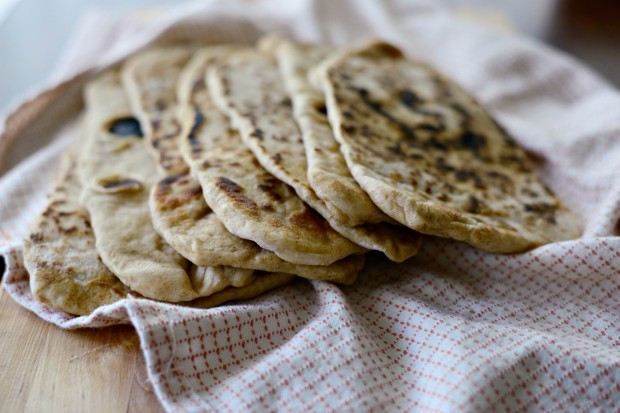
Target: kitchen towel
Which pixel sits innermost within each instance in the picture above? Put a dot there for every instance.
(452, 329)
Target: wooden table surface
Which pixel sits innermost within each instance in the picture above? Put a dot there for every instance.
(46, 369)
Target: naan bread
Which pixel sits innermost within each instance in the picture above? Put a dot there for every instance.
(193, 229)
(328, 174)
(60, 255)
(150, 80)
(247, 86)
(254, 205)
(67, 273)
(178, 209)
(431, 158)
(117, 173)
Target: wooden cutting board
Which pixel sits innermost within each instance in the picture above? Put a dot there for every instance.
(46, 369)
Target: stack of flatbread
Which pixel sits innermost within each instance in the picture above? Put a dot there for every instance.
(203, 175)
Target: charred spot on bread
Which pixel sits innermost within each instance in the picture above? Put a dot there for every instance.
(236, 194)
(125, 127)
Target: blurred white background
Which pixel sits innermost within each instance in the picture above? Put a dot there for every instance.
(33, 34)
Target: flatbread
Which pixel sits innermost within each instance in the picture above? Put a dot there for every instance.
(254, 205)
(204, 238)
(61, 252)
(60, 255)
(247, 86)
(117, 173)
(328, 174)
(67, 273)
(178, 210)
(432, 158)
(150, 80)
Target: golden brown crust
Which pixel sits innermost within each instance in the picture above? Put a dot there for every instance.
(265, 210)
(191, 227)
(327, 172)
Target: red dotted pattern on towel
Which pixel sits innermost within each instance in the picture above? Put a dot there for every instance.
(454, 329)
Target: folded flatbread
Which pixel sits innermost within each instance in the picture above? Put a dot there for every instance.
(117, 173)
(179, 211)
(60, 255)
(248, 87)
(432, 158)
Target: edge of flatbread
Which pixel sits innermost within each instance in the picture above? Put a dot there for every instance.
(65, 269)
(117, 173)
(328, 174)
(260, 285)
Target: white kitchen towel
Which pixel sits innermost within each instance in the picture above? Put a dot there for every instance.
(454, 328)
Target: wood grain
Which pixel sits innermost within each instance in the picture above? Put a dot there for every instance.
(46, 369)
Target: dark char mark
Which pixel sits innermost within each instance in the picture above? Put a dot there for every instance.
(376, 107)
(472, 141)
(544, 210)
(122, 183)
(236, 194)
(199, 119)
(125, 127)
(474, 204)
(407, 131)
(408, 98)
(258, 134)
